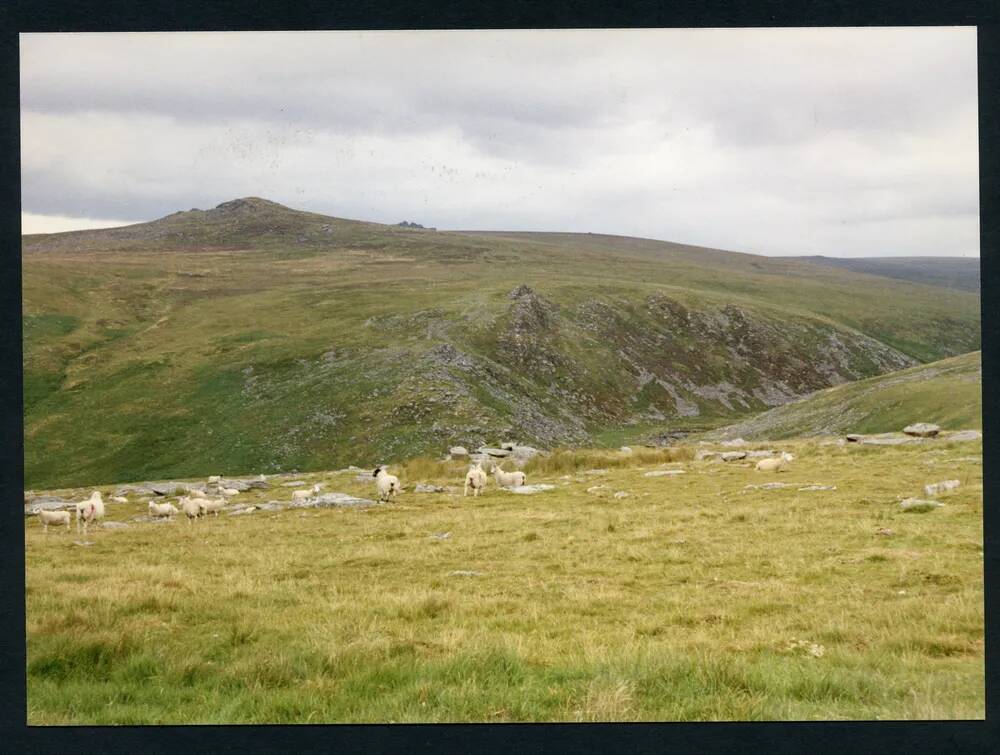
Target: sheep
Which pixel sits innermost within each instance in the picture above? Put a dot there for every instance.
(157, 510)
(508, 479)
(192, 508)
(196, 493)
(303, 495)
(475, 479)
(54, 517)
(214, 479)
(386, 484)
(774, 465)
(90, 510)
(213, 506)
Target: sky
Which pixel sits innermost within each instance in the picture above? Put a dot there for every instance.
(844, 142)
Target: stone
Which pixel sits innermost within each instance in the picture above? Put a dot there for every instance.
(937, 488)
(292, 484)
(114, 525)
(497, 453)
(270, 506)
(529, 489)
(759, 454)
(768, 486)
(664, 473)
(441, 536)
(47, 503)
(819, 487)
(595, 471)
(464, 573)
(965, 435)
(854, 438)
(522, 454)
(733, 455)
(597, 489)
(890, 440)
(621, 494)
(885, 532)
(922, 430)
(917, 505)
(625, 450)
(242, 485)
(702, 454)
(334, 500)
(458, 451)
(422, 488)
(244, 510)
(734, 442)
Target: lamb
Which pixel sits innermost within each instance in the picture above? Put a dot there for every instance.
(90, 510)
(192, 508)
(774, 465)
(386, 484)
(213, 506)
(54, 517)
(162, 509)
(475, 479)
(508, 479)
(304, 495)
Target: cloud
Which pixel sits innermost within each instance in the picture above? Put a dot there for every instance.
(784, 141)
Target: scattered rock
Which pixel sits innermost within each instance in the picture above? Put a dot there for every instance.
(422, 488)
(768, 486)
(464, 573)
(621, 494)
(854, 438)
(270, 506)
(819, 487)
(664, 473)
(965, 435)
(243, 510)
(597, 489)
(625, 450)
(917, 505)
(884, 532)
(595, 471)
(733, 455)
(293, 484)
(922, 430)
(114, 525)
(332, 500)
(735, 442)
(702, 453)
(889, 440)
(496, 453)
(82, 542)
(458, 451)
(759, 454)
(529, 489)
(46, 503)
(441, 536)
(243, 485)
(941, 487)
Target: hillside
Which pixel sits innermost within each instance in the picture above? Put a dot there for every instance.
(252, 337)
(947, 393)
(961, 273)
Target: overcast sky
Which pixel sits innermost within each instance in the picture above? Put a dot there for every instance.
(845, 142)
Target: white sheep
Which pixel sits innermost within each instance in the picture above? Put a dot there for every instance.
(54, 517)
(89, 511)
(475, 479)
(774, 465)
(508, 479)
(162, 509)
(196, 493)
(386, 484)
(213, 506)
(304, 495)
(192, 508)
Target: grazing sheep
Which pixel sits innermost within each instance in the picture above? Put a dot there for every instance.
(774, 465)
(90, 510)
(162, 509)
(508, 479)
(386, 484)
(213, 506)
(54, 517)
(304, 495)
(119, 499)
(192, 508)
(195, 493)
(475, 479)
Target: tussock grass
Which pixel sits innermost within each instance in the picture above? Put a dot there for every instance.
(693, 598)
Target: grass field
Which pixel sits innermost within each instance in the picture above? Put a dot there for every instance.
(693, 598)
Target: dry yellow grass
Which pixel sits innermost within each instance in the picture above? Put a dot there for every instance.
(692, 598)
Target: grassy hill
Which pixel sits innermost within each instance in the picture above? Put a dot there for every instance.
(960, 273)
(257, 338)
(948, 393)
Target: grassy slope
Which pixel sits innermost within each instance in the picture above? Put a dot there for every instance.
(679, 602)
(947, 392)
(262, 339)
(950, 272)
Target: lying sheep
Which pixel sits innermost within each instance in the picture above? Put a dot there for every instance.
(475, 479)
(157, 510)
(54, 517)
(508, 479)
(386, 484)
(304, 495)
(192, 507)
(774, 465)
(89, 511)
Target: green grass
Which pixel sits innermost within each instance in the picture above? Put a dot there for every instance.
(216, 340)
(691, 599)
(947, 392)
